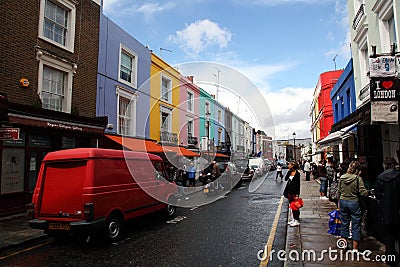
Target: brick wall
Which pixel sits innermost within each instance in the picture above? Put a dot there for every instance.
(19, 36)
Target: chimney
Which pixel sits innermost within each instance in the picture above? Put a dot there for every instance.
(190, 78)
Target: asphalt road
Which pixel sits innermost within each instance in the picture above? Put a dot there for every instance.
(228, 232)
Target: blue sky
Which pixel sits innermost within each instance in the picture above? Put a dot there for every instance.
(282, 46)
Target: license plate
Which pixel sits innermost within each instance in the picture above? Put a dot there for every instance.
(59, 226)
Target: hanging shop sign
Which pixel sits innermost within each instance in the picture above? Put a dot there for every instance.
(382, 66)
(385, 111)
(384, 89)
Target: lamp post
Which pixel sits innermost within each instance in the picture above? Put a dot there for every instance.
(208, 132)
(294, 145)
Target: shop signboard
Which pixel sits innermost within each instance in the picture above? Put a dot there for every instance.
(384, 100)
(382, 66)
(9, 133)
(12, 172)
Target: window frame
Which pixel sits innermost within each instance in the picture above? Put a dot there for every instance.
(134, 74)
(169, 89)
(191, 101)
(47, 60)
(169, 112)
(132, 97)
(70, 7)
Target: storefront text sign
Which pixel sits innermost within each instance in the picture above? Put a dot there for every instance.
(383, 89)
(64, 126)
(384, 111)
(9, 133)
(383, 66)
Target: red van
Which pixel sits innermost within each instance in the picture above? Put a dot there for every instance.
(84, 190)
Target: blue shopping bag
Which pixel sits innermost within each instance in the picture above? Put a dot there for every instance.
(334, 223)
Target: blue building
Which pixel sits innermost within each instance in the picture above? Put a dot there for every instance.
(342, 142)
(123, 88)
(343, 94)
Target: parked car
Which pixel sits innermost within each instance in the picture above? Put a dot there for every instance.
(244, 169)
(230, 177)
(259, 163)
(90, 190)
(256, 170)
(270, 165)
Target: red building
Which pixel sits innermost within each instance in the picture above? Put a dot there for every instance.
(321, 108)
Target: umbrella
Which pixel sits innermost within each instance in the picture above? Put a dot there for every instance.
(334, 223)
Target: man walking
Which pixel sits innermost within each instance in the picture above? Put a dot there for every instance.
(387, 188)
(307, 169)
(278, 172)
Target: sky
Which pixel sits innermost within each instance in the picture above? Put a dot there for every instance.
(280, 47)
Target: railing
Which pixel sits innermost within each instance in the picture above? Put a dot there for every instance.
(192, 140)
(168, 137)
(360, 14)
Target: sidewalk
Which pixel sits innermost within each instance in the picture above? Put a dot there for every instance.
(15, 231)
(312, 234)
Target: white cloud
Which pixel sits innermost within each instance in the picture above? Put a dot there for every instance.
(290, 108)
(200, 35)
(281, 2)
(149, 9)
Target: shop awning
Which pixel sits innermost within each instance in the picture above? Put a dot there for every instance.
(180, 151)
(216, 154)
(136, 144)
(335, 138)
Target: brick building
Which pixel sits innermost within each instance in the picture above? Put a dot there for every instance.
(48, 73)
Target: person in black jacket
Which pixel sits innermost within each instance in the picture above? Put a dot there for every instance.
(387, 188)
(292, 190)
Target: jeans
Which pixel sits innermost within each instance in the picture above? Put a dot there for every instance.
(324, 185)
(350, 211)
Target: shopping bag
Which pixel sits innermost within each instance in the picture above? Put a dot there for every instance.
(296, 204)
(334, 223)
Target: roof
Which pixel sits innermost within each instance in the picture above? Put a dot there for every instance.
(86, 153)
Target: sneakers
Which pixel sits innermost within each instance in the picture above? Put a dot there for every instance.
(295, 223)
(292, 221)
(324, 197)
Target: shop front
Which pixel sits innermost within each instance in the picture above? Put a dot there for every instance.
(40, 132)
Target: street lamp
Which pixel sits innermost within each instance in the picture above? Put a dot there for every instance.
(294, 146)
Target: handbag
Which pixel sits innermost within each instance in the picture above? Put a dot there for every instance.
(334, 223)
(361, 199)
(297, 204)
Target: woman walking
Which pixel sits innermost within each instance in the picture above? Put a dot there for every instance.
(292, 190)
(350, 185)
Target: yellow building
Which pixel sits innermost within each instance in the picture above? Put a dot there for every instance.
(164, 101)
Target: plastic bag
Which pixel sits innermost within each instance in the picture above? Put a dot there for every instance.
(334, 223)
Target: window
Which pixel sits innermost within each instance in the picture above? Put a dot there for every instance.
(190, 127)
(207, 108)
(219, 116)
(126, 112)
(55, 83)
(190, 101)
(57, 22)
(166, 87)
(127, 66)
(53, 89)
(165, 120)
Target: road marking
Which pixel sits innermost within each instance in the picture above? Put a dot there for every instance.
(177, 219)
(27, 249)
(268, 246)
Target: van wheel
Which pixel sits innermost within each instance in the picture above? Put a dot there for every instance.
(170, 211)
(114, 227)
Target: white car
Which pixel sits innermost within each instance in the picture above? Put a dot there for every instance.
(259, 163)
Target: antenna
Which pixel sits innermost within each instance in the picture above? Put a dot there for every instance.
(334, 60)
(164, 49)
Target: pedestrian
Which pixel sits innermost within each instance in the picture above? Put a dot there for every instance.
(307, 169)
(215, 173)
(191, 175)
(350, 185)
(387, 188)
(292, 190)
(279, 172)
(321, 171)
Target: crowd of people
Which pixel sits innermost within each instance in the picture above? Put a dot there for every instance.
(346, 184)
